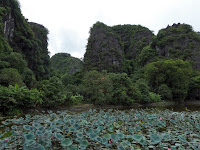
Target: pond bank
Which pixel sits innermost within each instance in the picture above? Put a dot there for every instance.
(189, 105)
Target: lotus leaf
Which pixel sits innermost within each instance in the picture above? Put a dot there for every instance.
(137, 137)
(41, 129)
(66, 142)
(4, 123)
(156, 139)
(73, 147)
(59, 136)
(38, 147)
(26, 127)
(183, 140)
(84, 143)
(29, 137)
(114, 137)
(38, 133)
(120, 135)
(93, 136)
(28, 116)
(116, 125)
(107, 136)
(36, 125)
(14, 127)
(120, 147)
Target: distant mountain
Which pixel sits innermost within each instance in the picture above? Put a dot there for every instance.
(64, 63)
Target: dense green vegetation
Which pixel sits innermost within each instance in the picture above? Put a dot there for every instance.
(15, 98)
(123, 65)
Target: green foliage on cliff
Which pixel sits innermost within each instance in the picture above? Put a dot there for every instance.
(104, 50)
(23, 46)
(179, 41)
(144, 56)
(114, 48)
(134, 38)
(63, 63)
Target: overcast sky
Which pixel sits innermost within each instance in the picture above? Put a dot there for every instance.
(69, 21)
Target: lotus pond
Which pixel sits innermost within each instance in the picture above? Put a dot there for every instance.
(103, 129)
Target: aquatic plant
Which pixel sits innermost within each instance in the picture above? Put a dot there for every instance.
(103, 129)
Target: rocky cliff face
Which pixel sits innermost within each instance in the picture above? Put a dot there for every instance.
(22, 43)
(63, 63)
(134, 38)
(9, 26)
(179, 41)
(104, 50)
(28, 39)
(40, 33)
(108, 47)
(130, 46)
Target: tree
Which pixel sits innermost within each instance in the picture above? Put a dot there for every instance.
(10, 76)
(16, 61)
(15, 98)
(110, 88)
(175, 74)
(98, 87)
(194, 88)
(53, 91)
(147, 55)
(124, 91)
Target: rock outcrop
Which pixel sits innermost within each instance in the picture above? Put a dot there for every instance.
(179, 41)
(22, 42)
(9, 26)
(134, 39)
(63, 63)
(108, 47)
(122, 48)
(104, 50)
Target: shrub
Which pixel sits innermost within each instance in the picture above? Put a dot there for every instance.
(194, 88)
(53, 92)
(10, 76)
(124, 91)
(76, 99)
(110, 88)
(165, 92)
(144, 90)
(154, 97)
(98, 87)
(16, 98)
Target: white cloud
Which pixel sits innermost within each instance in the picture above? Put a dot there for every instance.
(69, 21)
